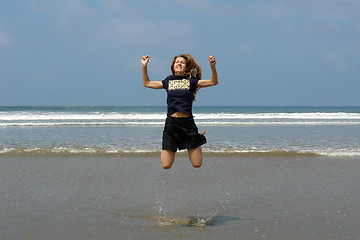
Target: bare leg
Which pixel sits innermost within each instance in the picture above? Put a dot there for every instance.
(167, 158)
(195, 156)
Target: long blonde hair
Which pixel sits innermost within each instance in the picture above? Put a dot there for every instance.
(193, 68)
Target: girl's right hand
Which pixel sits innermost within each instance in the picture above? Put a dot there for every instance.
(212, 61)
(145, 60)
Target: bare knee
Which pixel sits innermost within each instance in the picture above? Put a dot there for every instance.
(195, 156)
(197, 164)
(166, 165)
(167, 158)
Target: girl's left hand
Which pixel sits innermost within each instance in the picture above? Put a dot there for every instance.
(212, 61)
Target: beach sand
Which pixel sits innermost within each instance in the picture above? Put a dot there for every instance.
(132, 197)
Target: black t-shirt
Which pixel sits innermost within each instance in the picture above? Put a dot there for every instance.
(180, 93)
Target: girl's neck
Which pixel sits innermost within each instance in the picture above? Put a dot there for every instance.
(179, 74)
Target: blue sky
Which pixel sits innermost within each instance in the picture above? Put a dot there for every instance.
(269, 52)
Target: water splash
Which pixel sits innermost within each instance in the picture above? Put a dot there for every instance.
(197, 221)
(166, 218)
(168, 203)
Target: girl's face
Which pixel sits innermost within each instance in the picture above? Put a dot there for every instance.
(180, 66)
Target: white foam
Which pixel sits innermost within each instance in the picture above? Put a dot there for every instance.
(152, 123)
(22, 116)
(219, 150)
(317, 115)
(75, 123)
(38, 118)
(6, 150)
(339, 153)
(224, 123)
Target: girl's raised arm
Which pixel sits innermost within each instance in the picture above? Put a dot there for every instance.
(214, 76)
(146, 80)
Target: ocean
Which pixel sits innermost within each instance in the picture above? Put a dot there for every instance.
(95, 173)
(323, 131)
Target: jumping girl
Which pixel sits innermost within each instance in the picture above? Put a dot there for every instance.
(180, 131)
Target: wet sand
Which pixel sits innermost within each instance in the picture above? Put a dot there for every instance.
(132, 197)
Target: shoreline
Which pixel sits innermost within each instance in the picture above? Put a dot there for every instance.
(280, 154)
(92, 152)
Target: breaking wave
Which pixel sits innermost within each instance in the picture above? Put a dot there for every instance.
(239, 152)
(38, 118)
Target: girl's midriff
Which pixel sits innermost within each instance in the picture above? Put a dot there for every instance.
(180, 115)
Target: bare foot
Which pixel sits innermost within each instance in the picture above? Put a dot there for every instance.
(202, 133)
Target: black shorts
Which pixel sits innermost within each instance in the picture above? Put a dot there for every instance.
(181, 133)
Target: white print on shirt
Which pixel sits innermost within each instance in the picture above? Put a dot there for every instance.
(183, 84)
